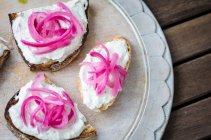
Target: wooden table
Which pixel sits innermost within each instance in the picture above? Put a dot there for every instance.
(187, 26)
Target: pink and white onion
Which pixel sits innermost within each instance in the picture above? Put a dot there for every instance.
(105, 72)
(47, 30)
(50, 109)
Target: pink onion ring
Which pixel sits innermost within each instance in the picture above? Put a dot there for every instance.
(50, 109)
(106, 72)
(47, 31)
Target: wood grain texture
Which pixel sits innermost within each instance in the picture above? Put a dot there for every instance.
(178, 10)
(190, 39)
(190, 123)
(192, 80)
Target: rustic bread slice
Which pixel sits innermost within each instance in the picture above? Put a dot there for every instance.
(105, 106)
(51, 65)
(5, 54)
(89, 133)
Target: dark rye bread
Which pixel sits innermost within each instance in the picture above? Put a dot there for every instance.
(89, 132)
(4, 57)
(52, 65)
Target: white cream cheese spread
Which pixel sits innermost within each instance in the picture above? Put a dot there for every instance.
(69, 132)
(21, 32)
(90, 98)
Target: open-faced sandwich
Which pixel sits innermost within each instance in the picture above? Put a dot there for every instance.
(103, 72)
(49, 38)
(41, 110)
(4, 52)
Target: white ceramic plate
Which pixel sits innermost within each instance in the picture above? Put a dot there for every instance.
(142, 109)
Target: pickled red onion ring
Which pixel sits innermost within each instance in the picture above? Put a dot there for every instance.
(51, 109)
(106, 72)
(47, 31)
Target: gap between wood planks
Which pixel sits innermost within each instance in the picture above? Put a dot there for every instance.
(191, 102)
(200, 54)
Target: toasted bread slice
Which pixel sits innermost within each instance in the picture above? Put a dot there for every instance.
(105, 106)
(51, 65)
(89, 133)
(5, 54)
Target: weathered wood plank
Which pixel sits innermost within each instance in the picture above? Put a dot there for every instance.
(190, 123)
(190, 38)
(172, 11)
(192, 80)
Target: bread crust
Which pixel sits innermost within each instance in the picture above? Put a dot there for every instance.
(105, 106)
(89, 133)
(51, 65)
(4, 57)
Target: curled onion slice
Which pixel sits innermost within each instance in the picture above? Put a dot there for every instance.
(47, 30)
(50, 108)
(106, 72)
